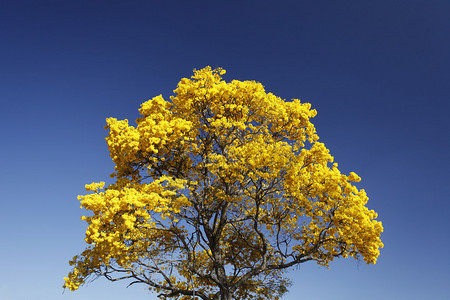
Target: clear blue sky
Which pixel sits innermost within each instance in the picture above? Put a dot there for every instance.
(376, 71)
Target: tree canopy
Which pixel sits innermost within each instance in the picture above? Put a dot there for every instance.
(217, 192)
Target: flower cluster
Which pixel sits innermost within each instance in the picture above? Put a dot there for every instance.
(223, 176)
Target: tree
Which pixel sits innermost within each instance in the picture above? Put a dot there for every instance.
(217, 193)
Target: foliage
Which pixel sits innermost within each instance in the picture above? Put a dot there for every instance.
(217, 193)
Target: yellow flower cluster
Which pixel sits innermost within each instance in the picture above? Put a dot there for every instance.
(228, 160)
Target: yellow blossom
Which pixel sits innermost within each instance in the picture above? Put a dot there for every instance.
(222, 177)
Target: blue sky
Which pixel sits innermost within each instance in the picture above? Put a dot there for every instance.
(376, 71)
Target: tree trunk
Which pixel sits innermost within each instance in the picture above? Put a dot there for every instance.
(225, 294)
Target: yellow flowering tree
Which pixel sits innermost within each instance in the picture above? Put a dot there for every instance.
(217, 193)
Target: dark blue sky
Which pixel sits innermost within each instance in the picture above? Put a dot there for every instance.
(376, 71)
